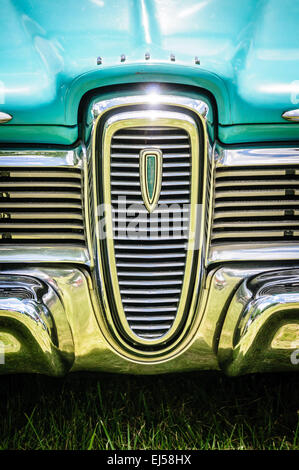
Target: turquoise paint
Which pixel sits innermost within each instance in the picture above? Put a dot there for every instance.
(60, 135)
(248, 51)
(258, 133)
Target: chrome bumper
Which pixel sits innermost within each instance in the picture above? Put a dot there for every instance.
(247, 321)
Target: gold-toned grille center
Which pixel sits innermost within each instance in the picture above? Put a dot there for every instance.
(150, 258)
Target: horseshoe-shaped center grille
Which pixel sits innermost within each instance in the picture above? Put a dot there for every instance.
(150, 257)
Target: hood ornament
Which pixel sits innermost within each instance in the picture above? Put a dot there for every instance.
(150, 169)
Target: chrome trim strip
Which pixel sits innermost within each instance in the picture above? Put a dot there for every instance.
(256, 156)
(5, 117)
(292, 115)
(197, 106)
(210, 199)
(86, 206)
(259, 252)
(41, 158)
(44, 254)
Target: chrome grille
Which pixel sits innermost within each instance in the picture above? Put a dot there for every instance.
(41, 206)
(151, 264)
(259, 203)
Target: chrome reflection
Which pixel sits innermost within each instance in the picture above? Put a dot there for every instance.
(5, 117)
(52, 323)
(251, 220)
(261, 327)
(34, 333)
(244, 157)
(292, 115)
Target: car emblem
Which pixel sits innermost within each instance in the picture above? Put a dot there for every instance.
(150, 168)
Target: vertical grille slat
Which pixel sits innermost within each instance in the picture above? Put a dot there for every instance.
(151, 264)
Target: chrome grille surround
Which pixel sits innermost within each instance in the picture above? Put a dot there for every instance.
(113, 267)
(255, 204)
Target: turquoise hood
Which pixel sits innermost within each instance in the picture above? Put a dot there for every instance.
(248, 51)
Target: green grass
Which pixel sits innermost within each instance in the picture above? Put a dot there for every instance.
(188, 411)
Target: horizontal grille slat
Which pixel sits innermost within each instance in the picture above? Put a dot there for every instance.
(146, 319)
(125, 165)
(65, 204)
(257, 213)
(126, 192)
(36, 173)
(150, 336)
(167, 265)
(151, 326)
(181, 246)
(150, 262)
(40, 184)
(136, 156)
(256, 203)
(162, 201)
(254, 234)
(149, 291)
(37, 195)
(33, 225)
(258, 224)
(255, 193)
(159, 137)
(42, 235)
(141, 146)
(150, 237)
(165, 174)
(151, 256)
(120, 220)
(149, 274)
(140, 282)
(43, 216)
(269, 172)
(41, 206)
(153, 231)
(151, 300)
(151, 309)
(159, 210)
(248, 184)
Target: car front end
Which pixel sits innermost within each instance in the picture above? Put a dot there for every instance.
(149, 172)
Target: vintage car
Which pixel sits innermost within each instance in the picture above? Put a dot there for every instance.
(149, 172)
